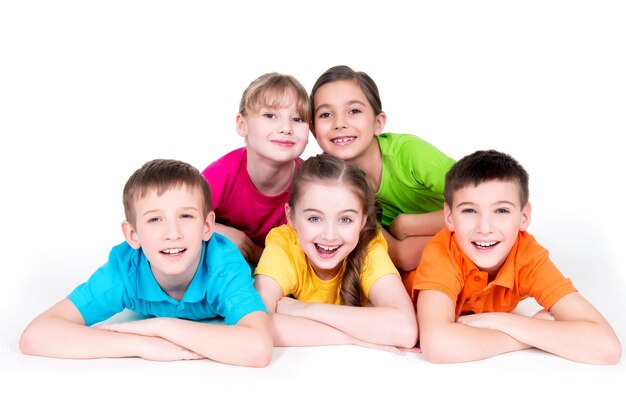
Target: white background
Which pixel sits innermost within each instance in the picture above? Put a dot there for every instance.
(89, 91)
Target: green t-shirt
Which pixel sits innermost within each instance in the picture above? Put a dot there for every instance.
(413, 176)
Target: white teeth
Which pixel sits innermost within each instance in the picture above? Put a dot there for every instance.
(173, 251)
(486, 244)
(326, 248)
(342, 140)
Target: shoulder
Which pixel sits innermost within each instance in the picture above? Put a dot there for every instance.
(229, 161)
(528, 250)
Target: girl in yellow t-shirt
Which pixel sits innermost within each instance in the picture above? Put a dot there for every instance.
(326, 276)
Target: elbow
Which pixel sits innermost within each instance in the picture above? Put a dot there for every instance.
(406, 335)
(258, 353)
(435, 350)
(28, 342)
(610, 353)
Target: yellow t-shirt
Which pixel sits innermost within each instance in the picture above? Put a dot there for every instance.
(284, 261)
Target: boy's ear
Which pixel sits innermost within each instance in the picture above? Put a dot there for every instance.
(209, 226)
(241, 125)
(130, 235)
(381, 120)
(289, 215)
(525, 218)
(447, 217)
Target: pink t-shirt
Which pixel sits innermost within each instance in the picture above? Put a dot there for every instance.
(238, 204)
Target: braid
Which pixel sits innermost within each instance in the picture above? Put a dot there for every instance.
(351, 292)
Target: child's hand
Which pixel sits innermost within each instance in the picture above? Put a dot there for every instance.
(485, 320)
(158, 349)
(290, 306)
(145, 327)
(544, 314)
(389, 348)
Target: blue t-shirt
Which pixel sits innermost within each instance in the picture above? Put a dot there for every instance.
(222, 286)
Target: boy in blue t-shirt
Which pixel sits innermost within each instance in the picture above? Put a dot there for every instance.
(173, 267)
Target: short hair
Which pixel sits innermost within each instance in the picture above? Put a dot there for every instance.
(483, 166)
(270, 90)
(362, 80)
(161, 175)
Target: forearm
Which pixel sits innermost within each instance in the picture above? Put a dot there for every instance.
(422, 224)
(374, 324)
(455, 343)
(293, 331)
(407, 253)
(233, 344)
(577, 340)
(55, 337)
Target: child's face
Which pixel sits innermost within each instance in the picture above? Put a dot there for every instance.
(345, 125)
(486, 220)
(278, 134)
(328, 219)
(170, 229)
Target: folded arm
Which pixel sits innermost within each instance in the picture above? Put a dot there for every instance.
(61, 332)
(389, 321)
(579, 332)
(247, 343)
(442, 340)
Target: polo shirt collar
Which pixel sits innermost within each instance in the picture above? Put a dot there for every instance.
(148, 288)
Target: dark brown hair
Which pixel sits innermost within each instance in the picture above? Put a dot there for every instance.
(483, 166)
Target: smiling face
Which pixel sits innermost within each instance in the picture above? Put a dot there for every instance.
(486, 220)
(170, 229)
(278, 133)
(345, 124)
(328, 219)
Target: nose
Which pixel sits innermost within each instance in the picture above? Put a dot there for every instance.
(173, 231)
(285, 127)
(340, 122)
(484, 223)
(328, 232)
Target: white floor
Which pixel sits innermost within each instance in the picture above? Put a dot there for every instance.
(89, 91)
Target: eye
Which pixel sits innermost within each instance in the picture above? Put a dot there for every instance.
(345, 220)
(298, 119)
(468, 210)
(186, 216)
(314, 219)
(502, 210)
(154, 220)
(324, 115)
(269, 115)
(354, 111)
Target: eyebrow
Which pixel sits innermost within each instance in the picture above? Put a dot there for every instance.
(319, 211)
(499, 202)
(350, 103)
(186, 208)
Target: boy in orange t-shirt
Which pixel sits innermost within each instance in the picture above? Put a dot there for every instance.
(474, 272)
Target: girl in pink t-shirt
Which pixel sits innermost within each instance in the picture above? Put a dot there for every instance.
(251, 185)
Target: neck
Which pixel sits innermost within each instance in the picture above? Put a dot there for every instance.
(269, 177)
(371, 162)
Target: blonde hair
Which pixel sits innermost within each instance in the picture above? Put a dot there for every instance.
(271, 90)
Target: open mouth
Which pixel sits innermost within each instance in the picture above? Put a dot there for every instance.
(173, 251)
(344, 140)
(326, 251)
(485, 245)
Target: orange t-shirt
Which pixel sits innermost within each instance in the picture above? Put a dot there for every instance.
(527, 271)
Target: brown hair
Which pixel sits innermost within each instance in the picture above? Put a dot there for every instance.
(270, 90)
(343, 72)
(329, 169)
(483, 166)
(162, 175)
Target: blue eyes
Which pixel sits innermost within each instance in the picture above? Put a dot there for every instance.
(296, 119)
(499, 210)
(342, 220)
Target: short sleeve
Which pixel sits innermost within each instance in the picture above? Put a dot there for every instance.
(278, 260)
(437, 271)
(377, 264)
(102, 296)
